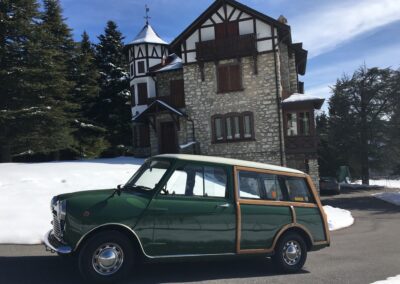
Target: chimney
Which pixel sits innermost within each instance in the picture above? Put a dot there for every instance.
(282, 19)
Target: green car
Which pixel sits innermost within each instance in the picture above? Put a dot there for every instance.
(190, 206)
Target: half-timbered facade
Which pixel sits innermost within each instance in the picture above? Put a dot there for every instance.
(229, 86)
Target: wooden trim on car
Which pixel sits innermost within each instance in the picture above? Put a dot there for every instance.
(276, 203)
(294, 216)
(289, 204)
(238, 212)
(321, 209)
(264, 171)
(276, 238)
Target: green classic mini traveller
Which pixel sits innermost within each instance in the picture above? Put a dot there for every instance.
(190, 206)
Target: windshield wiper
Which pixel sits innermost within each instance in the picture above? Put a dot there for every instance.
(140, 187)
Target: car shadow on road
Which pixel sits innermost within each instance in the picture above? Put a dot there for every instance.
(51, 269)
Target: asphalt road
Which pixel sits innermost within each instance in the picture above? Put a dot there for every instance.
(366, 252)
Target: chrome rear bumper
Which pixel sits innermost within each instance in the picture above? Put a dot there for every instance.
(52, 244)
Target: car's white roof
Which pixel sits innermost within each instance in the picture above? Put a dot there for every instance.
(228, 161)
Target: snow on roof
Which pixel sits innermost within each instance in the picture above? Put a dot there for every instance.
(176, 63)
(148, 35)
(228, 161)
(296, 97)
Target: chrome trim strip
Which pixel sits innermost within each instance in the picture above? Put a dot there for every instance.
(61, 249)
(141, 246)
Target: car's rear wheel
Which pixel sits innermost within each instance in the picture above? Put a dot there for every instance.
(106, 257)
(290, 253)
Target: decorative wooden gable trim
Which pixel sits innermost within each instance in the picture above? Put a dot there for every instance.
(154, 53)
(140, 53)
(245, 13)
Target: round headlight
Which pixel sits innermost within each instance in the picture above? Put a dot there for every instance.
(53, 202)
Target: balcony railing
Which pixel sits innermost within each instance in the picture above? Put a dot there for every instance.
(301, 144)
(175, 100)
(238, 46)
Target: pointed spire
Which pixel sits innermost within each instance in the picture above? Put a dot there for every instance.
(147, 17)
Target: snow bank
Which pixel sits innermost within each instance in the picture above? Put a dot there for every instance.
(390, 280)
(338, 218)
(391, 197)
(26, 191)
(391, 183)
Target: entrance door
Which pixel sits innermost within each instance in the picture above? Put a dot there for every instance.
(168, 140)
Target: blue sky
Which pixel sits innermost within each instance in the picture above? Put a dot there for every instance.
(340, 35)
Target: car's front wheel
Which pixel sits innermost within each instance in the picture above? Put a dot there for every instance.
(106, 257)
(290, 253)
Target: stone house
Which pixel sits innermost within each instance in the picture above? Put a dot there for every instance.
(229, 86)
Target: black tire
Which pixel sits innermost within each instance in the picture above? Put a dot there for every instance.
(119, 245)
(287, 258)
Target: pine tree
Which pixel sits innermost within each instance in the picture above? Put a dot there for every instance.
(55, 78)
(358, 110)
(20, 102)
(112, 109)
(89, 137)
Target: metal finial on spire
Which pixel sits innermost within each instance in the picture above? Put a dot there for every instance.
(147, 14)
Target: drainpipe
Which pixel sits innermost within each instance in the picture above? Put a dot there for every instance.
(193, 133)
(278, 100)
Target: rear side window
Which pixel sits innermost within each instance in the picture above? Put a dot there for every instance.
(249, 185)
(259, 186)
(273, 190)
(297, 189)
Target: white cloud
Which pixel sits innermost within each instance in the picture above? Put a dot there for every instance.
(323, 29)
(326, 76)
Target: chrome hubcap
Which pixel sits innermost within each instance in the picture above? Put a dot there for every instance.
(291, 253)
(107, 259)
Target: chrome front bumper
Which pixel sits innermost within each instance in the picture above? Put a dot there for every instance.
(52, 244)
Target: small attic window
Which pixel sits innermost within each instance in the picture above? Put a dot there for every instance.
(141, 68)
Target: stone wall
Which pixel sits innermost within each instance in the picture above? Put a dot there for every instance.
(163, 79)
(298, 161)
(314, 171)
(258, 96)
(288, 69)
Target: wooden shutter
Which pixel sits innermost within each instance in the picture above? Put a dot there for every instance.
(220, 31)
(223, 78)
(142, 93)
(232, 29)
(177, 93)
(235, 79)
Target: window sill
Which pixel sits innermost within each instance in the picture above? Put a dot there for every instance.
(230, 91)
(233, 141)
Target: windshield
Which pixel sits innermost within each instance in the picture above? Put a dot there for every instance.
(148, 176)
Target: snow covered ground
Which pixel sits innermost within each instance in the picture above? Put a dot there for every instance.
(338, 218)
(391, 183)
(391, 197)
(390, 280)
(26, 191)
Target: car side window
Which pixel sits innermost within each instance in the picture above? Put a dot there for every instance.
(298, 189)
(273, 190)
(249, 185)
(193, 180)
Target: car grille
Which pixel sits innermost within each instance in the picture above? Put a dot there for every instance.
(57, 230)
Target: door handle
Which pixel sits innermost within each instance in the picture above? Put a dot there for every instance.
(225, 205)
